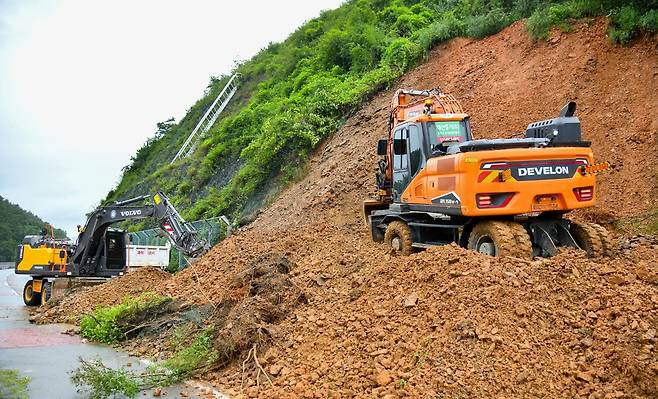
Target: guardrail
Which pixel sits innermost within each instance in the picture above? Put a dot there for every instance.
(7, 265)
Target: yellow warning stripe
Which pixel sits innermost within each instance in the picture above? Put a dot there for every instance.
(597, 167)
(495, 176)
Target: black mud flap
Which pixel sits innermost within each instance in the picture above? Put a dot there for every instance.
(549, 235)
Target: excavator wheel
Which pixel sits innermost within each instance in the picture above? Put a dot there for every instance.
(592, 238)
(606, 239)
(30, 297)
(500, 238)
(46, 291)
(398, 237)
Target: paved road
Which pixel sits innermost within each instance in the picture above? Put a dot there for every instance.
(46, 355)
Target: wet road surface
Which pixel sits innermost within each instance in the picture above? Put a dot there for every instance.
(46, 355)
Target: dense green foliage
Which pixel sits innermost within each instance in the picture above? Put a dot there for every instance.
(103, 382)
(296, 93)
(628, 17)
(109, 324)
(16, 223)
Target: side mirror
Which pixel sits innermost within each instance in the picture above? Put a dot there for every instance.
(382, 145)
(62, 254)
(399, 146)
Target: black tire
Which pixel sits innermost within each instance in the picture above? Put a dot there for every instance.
(30, 297)
(607, 243)
(588, 236)
(46, 291)
(500, 238)
(398, 238)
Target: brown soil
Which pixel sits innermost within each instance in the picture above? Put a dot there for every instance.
(447, 322)
(72, 306)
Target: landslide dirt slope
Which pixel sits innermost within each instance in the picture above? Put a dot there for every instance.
(447, 322)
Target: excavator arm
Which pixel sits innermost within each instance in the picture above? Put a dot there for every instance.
(180, 233)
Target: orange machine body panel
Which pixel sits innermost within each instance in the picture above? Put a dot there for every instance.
(527, 176)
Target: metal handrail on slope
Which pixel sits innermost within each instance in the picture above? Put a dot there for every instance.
(209, 118)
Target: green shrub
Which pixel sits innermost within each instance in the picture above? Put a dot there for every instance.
(200, 355)
(439, 31)
(649, 21)
(538, 24)
(12, 385)
(625, 24)
(406, 24)
(102, 325)
(402, 53)
(494, 21)
(547, 16)
(334, 49)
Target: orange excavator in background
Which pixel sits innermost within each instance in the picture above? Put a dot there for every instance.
(501, 197)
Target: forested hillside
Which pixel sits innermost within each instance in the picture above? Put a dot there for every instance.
(296, 93)
(16, 223)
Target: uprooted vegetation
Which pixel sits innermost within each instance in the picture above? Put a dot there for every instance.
(197, 339)
(101, 382)
(116, 323)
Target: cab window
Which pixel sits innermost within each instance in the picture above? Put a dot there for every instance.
(399, 160)
(443, 133)
(415, 150)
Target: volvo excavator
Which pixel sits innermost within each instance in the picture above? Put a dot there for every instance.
(100, 251)
(504, 197)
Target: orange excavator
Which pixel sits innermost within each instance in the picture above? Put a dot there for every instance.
(501, 197)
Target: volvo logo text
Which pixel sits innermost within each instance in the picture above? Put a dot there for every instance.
(135, 212)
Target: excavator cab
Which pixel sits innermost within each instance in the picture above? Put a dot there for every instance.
(114, 251)
(416, 142)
